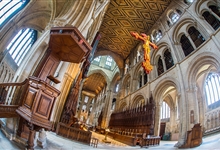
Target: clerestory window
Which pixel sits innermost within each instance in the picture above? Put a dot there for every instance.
(21, 44)
(9, 8)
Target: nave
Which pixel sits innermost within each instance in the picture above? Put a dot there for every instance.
(55, 142)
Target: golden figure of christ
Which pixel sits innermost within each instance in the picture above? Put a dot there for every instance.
(146, 45)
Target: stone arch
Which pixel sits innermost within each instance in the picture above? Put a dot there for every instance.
(102, 73)
(162, 87)
(115, 79)
(118, 59)
(201, 60)
(122, 106)
(137, 98)
(180, 29)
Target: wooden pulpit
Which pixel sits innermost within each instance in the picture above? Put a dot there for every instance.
(66, 44)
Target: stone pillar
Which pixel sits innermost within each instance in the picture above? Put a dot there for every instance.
(191, 41)
(107, 108)
(164, 64)
(157, 120)
(192, 106)
(93, 113)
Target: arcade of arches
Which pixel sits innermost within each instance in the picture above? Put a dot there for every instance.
(184, 83)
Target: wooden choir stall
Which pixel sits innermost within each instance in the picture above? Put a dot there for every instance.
(135, 126)
(66, 44)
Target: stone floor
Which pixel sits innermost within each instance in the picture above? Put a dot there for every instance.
(55, 142)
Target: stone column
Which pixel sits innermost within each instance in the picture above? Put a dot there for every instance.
(157, 119)
(191, 41)
(192, 106)
(93, 113)
(107, 108)
(164, 64)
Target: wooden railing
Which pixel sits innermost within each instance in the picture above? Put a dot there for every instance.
(11, 96)
(74, 133)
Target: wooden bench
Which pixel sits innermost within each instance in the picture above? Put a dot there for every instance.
(94, 142)
(150, 141)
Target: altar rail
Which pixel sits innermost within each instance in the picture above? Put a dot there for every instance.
(74, 133)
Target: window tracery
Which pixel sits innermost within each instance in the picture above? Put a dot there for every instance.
(9, 8)
(165, 111)
(21, 44)
(212, 90)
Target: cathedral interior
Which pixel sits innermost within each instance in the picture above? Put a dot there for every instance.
(75, 68)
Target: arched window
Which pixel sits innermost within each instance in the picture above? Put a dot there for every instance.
(113, 103)
(186, 45)
(215, 23)
(96, 61)
(117, 87)
(196, 36)
(108, 61)
(179, 11)
(215, 9)
(188, 1)
(174, 16)
(157, 35)
(212, 88)
(145, 77)
(160, 69)
(21, 44)
(9, 8)
(140, 79)
(165, 111)
(168, 59)
(86, 99)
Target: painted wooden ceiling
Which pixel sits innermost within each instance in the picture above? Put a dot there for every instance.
(124, 16)
(94, 83)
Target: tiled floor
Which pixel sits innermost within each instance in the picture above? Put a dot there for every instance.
(55, 142)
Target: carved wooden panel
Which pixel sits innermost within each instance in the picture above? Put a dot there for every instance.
(30, 98)
(124, 16)
(50, 65)
(44, 106)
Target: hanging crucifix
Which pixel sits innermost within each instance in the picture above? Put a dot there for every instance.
(146, 45)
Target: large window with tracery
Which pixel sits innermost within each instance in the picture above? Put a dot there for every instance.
(165, 111)
(212, 89)
(21, 44)
(9, 8)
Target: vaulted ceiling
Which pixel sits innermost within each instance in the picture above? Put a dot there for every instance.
(94, 83)
(124, 16)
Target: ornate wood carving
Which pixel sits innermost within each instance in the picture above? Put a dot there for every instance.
(38, 103)
(69, 110)
(139, 120)
(194, 137)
